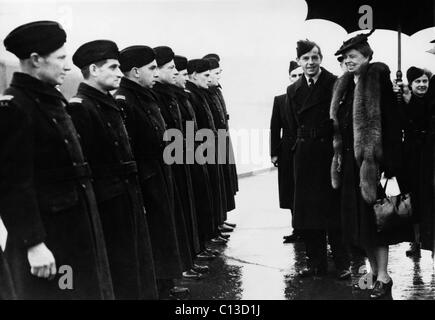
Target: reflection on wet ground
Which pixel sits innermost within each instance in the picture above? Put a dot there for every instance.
(256, 265)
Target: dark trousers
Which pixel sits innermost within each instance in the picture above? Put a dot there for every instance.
(316, 248)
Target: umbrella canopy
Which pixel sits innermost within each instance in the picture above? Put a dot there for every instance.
(411, 16)
(401, 15)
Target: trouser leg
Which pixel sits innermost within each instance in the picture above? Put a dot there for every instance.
(340, 252)
(315, 243)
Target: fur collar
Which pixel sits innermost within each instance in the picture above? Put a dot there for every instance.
(367, 129)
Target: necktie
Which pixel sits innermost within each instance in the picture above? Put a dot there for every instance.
(311, 82)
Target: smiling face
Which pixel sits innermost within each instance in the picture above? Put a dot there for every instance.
(354, 60)
(420, 86)
(310, 62)
(53, 68)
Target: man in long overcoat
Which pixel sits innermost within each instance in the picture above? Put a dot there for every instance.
(281, 143)
(185, 197)
(105, 141)
(47, 201)
(146, 127)
(316, 204)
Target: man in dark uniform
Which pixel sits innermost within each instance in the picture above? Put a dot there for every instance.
(216, 88)
(47, 202)
(281, 144)
(226, 157)
(146, 128)
(104, 138)
(199, 79)
(199, 173)
(316, 204)
(184, 195)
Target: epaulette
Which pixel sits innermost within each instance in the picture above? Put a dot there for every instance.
(75, 100)
(4, 100)
(120, 97)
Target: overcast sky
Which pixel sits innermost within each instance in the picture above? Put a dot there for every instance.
(255, 39)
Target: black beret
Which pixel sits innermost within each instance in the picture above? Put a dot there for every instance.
(354, 42)
(198, 65)
(163, 55)
(304, 46)
(293, 65)
(212, 56)
(95, 51)
(213, 63)
(413, 73)
(136, 56)
(42, 37)
(180, 62)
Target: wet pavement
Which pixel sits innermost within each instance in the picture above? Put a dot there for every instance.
(256, 265)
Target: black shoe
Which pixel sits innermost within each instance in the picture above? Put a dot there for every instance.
(414, 250)
(312, 272)
(224, 235)
(191, 275)
(179, 293)
(381, 290)
(200, 269)
(223, 228)
(205, 256)
(231, 225)
(292, 238)
(213, 252)
(344, 274)
(219, 240)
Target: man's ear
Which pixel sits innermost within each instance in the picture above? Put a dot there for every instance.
(93, 68)
(135, 72)
(35, 59)
(299, 62)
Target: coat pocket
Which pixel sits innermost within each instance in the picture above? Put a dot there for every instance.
(56, 198)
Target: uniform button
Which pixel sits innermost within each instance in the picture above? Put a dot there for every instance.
(83, 186)
(149, 111)
(66, 141)
(75, 164)
(54, 120)
(126, 181)
(116, 143)
(79, 136)
(156, 128)
(109, 124)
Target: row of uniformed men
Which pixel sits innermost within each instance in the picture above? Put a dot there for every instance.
(84, 184)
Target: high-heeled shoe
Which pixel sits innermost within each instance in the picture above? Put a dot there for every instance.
(381, 289)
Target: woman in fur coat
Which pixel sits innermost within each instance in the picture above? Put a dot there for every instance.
(367, 142)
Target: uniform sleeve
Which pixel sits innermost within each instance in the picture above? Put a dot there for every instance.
(275, 129)
(18, 200)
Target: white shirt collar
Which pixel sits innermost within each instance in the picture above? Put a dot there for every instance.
(315, 78)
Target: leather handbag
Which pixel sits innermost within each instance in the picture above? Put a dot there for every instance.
(392, 211)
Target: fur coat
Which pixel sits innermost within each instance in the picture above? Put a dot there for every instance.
(376, 128)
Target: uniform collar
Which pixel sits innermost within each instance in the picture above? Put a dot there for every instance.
(28, 82)
(106, 99)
